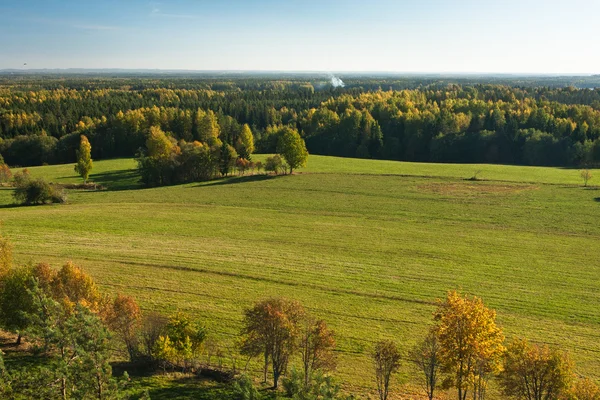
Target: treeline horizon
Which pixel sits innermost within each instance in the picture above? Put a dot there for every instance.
(432, 121)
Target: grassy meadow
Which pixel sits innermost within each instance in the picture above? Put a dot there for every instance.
(367, 245)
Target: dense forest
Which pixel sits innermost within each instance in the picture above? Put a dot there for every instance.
(530, 121)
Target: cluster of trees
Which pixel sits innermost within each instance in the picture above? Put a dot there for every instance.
(465, 349)
(41, 122)
(73, 329)
(166, 161)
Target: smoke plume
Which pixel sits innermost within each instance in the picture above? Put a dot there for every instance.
(336, 82)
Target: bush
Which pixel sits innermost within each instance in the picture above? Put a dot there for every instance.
(37, 191)
(274, 164)
(243, 389)
(321, 387)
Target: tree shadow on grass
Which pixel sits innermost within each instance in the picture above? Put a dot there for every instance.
(239, 179)
(597, 199)
(123, 179)
(185, 387)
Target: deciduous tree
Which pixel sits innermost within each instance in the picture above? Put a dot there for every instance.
(292, 147)
(271, 328)
(72, 286)
(316, 348)
(274, 164)
(5, 255)
(16, 301)
(470, 343)
(584, 389)
(387, 361)
(426, 358)
(124, 318)
(533, 372)
(84, 159)
(245, 143)
(586, 175)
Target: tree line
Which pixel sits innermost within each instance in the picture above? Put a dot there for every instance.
(438, 121)
(73, 329)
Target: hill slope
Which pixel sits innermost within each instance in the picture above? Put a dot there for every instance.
(367, 245)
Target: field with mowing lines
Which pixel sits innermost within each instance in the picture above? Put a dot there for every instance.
(367, 245)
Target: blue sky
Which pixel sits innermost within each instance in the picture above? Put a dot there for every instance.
(503, 36)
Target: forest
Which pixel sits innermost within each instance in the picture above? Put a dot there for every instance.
(504, 120)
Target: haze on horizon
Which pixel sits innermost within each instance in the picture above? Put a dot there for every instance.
(429, 36)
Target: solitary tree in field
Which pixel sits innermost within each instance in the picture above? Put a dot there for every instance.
(292, 147)
(533, 372)
(271, 328)
(470, 344)
(84, 159)
(387, 361)
(426, 358)
(586, 175)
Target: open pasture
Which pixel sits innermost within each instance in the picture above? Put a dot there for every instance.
(367, 245)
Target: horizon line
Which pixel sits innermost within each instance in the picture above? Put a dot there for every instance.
(341, 72)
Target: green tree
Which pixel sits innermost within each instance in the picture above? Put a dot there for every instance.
(274, 164)
(84, 159)
(16, 301)
(78, 349)
(227, 157)
(292, 147)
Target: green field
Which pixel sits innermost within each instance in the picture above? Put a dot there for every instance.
(367, 245)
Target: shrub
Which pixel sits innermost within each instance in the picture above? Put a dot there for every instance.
(21, 177)
(243, 389)
(37, 191)
(274, 164)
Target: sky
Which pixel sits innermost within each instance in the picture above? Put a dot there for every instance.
(418, 36)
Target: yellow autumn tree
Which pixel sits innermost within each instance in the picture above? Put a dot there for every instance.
(245, 143)
(208, 129)
(71, 286)
(158, 144)
(471, 344)
(84, 159)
